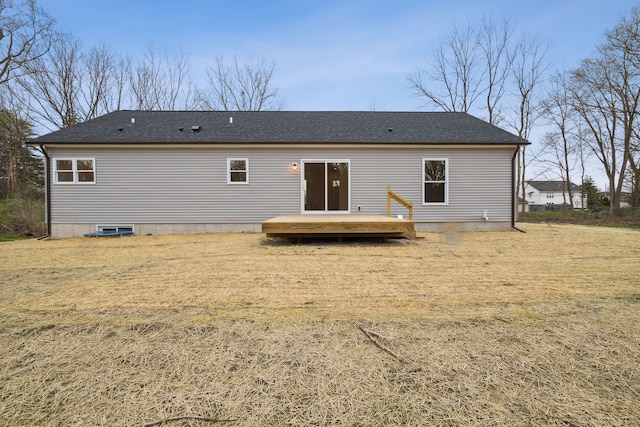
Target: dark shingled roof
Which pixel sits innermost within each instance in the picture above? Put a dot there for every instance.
(553, 186)
(282, 127)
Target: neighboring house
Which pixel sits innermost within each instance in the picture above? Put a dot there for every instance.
(549, 194)
(626, 198)
(158, 172)
(523, 205)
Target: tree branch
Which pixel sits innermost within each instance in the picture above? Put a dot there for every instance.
(370, 335)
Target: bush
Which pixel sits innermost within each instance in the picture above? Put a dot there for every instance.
(22, 215)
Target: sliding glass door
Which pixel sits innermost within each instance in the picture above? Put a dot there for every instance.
(325, 186)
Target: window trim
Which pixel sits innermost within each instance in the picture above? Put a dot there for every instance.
(74, 170)
(246, 170)
(445, 182)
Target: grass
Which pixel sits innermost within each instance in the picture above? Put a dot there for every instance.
(543, 215)
(502, 328)
(627, 218)
(12, 236)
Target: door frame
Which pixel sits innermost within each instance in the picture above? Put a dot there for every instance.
(303, 189)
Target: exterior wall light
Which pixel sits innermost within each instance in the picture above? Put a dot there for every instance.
(294, 167)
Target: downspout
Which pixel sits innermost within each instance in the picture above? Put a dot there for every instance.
(514, 200)
(47, 190)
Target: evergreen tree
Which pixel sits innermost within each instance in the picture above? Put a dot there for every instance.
(595, 200)
(21, 169)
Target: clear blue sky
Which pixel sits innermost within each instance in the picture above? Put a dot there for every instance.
(330, 54)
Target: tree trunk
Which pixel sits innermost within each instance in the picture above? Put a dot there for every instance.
(14, 181)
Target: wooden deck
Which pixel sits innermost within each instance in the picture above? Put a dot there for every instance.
(356, 225)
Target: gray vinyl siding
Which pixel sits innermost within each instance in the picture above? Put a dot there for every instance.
(189, 185)
(479, 180)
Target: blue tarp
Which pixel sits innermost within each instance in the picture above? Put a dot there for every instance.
(109, 233)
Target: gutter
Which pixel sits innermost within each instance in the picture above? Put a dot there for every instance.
(514, 200)
(47, 190)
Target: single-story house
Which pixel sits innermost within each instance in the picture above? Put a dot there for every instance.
(550, 194)
(159, 172)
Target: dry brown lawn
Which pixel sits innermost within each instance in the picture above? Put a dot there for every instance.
(503, 328)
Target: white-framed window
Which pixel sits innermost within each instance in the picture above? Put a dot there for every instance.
(74, 171)
(550, 195)
(237, 171)
(435, 179)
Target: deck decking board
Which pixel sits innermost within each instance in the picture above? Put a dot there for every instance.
(355, 225)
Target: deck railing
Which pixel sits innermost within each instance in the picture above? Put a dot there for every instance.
(392, 195)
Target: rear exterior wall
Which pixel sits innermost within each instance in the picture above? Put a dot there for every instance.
(185, 190)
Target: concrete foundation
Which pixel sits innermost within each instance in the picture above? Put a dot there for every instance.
(444, 227)
(62, 231)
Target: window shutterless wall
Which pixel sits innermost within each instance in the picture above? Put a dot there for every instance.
(190, 185)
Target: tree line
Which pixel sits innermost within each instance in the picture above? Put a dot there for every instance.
(588, 113)
(50, 80)
(593, 110)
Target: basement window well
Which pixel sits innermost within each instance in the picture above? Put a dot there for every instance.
(111, 231)
(115, 229)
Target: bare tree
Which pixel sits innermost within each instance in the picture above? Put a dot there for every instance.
(607, 97)
(67, 86)
(564, 139)
(25, 35)
(634, 174)
(160, 82)
(528, 69)
(624, 45)
(494, 43)
(468, 71)
(116, 96)
(241, 87)
(102, 91)
(453, 79)
(597, 110)
(52, 83)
